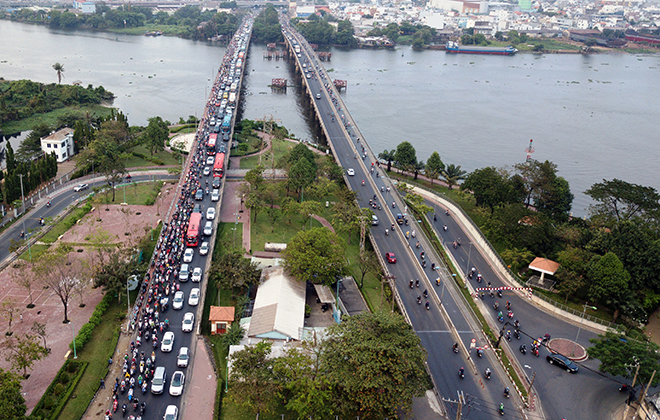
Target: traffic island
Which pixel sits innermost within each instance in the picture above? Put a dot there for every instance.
(568, 348)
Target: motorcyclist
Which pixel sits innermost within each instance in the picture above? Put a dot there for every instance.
(419, 299)
(487, 372)
(426, 293)
(523, 348)
(455, 348)
(387, 232)
(461, 372)
(506, 392)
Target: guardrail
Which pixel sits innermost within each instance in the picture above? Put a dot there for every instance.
(512, 275)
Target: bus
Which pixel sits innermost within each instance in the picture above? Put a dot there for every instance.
(226, 123)
(194, 228)
(219, 165)
(210, 146)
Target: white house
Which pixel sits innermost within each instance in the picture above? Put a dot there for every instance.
(60, 142)
(86, 7)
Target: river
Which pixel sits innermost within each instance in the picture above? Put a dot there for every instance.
(595, 116)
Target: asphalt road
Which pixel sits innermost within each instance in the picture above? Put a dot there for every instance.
(60, 200)
(483, 396)
(598, 395)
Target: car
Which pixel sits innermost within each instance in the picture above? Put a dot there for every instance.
(208, 228)
(171, 413)
(562, 361)
(183, 357)
(210, 213)
(210, 160)
(199, 194)
(193, 298)
(168, 342)
(374, 220)
(80, 187)
(197, 208)
(350, 172)
(390, 257)
(176, 386)
(177, 302)
(216, 182)
(184, 273)
(207, 170)
(188, 255)
(222, 149)
(188, 322)
(196, 275)
(159, 380)
(309, 75)
(215, 195)
(204, 248)
(318, 96)
(225, 137)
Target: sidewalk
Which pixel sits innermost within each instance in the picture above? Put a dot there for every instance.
(201, 389)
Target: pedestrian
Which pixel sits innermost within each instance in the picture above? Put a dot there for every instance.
(109, 362)
(102, 383)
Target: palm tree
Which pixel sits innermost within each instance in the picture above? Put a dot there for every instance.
(388, 156)
(452, 174)
(418, 166)
(59, 68)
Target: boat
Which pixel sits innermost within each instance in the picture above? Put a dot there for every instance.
(454, 47)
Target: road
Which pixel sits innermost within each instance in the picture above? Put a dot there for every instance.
(599, 395)
(483, 396)
(60, 200)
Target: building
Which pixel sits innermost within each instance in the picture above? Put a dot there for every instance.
(221, 318)
(279, 307)
(59, 142)
(86, 7)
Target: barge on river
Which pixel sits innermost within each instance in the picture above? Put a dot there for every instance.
(454, 47)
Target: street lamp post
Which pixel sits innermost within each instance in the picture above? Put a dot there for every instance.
(24, 230)
(585, 306)
(128, 304)
(73, 333)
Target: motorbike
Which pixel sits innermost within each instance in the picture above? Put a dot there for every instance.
(417, 283)
(123, 410)
(523, 349)
(506, 392)
(428, 306)
(48, 204)
(535, 351)
(447, 212)
(480, 352)
(487, 373)
(425, 294)
(461, 373)
(508, 336)
(143, 408)
(387, 232)
(444, 228)
(496, 306)
(501, 409)
(419, 300)
(454, 244)
(499, 292)
(417, 244)
(363, 183)
(516, 334)
(424, 264)
(455, 348)
(509, 314)
(411, 284)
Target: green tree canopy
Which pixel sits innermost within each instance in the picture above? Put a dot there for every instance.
(619, 356)
(405, 156)
(155, 135)
(376, 361)
(253, 383)
(12, 403)
(315, 255)
(452, 174)
(434, 166)
(618, 200)
(233, 270)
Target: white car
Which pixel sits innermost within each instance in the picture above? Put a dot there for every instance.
(80, 187)
(350, 172)
(183, 357)
(177, 302)
(196, 275)
(188, 255)
(193, 298)
(210, 213)
(187, 324)
(208, 228)
(204, 248)
(167, 343)
(176, 386)
(207, 171)
(215, 195)
(210, 160)
(171, 413)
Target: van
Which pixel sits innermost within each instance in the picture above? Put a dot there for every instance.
(184, 273)
(374, 220)
(158, 382)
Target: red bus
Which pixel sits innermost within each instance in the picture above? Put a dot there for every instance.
(194, 228)
(218, 166)
(210, 145)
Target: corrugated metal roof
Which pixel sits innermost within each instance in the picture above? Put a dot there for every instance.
(279, 305)
(324, 293)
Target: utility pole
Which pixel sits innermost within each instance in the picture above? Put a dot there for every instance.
(642, 395)
(529, 392)
(632, 387)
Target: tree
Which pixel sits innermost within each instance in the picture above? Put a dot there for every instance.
(30, 148)
(557, 201)
(301, 175)
(619, 200)
(376, 362)
(619, 356)
(608, 280)
(155, 135)
(9, 311)
(60, 274)
(549, 193)
(367, 263)
(308, 209)
(434, 166)
(315, 255)
(418, 167)
(345, 217)
(12, 403)
(113, 269)
(23, 277)
(232, 270)
(389, 157)
(252, 382)
(452, 174)
(405, 156)
(489, 187)
(59, 68)
(22, 352)
(40, 331)
(233, 335)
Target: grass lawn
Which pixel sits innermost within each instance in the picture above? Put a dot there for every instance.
(263, 231)
(165, 29)
(63, 225)
(51, 118)
(137, 162)
(280, 148)
(96, 352)
(34, 252)
(137, 193)
(249, 138)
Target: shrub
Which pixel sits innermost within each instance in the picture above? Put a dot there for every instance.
(64, 378)
(58, 389)
(86, 331)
